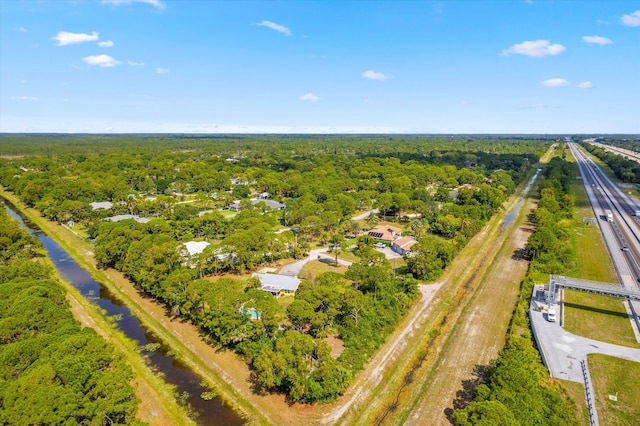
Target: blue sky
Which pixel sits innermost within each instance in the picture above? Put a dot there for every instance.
(303, 66)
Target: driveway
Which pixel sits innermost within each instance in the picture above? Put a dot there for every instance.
(388, 253)
(293, 269)
(365, 214)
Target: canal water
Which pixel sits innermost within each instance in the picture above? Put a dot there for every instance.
(510, 217)
(174, 371)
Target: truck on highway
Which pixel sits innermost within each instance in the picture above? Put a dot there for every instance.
(609, 215)
(551, 315)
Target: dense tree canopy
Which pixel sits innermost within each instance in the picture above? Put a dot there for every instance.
(439, 190)
(551, 243)
(52, 371)
(627, 170)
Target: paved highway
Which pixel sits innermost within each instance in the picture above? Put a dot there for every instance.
(622, 235)
(614, 149)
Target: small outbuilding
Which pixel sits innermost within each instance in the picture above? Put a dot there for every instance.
(403, 245)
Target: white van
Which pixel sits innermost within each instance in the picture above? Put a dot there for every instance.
(551, 315)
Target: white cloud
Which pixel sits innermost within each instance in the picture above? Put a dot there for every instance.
(64, 38)
(535, 49)
(585, 85)
(597, 40)
(632, 19)
(101, 60)
(555, 82)
(157, 3)
(24, 98)
(22, 30)
(277, 27)
(135, 64)
(309, 97)
(374, 75)
(107, 43)
(162, 70)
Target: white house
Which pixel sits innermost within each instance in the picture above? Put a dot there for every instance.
(195, 247)
(120, 217)
(273, 205)
(190, 249)
(101, 205)
(278, 285)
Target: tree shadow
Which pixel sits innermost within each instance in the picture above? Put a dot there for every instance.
(465, 395)
(256, 386)
(521, 254)
(328, 261)
(258, 389)
(596, 310)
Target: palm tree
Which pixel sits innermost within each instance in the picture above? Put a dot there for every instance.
(336, 245)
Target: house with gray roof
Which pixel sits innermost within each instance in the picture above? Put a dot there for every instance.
(120, 217)
(403, 245)
(272, 204)
(278, 285)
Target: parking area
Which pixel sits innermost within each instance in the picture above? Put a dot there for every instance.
(562, 352)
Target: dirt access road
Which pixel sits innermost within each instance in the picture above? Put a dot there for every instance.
(479, 336)
(480, 289)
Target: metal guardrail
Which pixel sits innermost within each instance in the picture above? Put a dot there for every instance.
(588, 389)
(543, 354)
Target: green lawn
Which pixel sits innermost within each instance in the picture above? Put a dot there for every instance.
(314, 268)
(79, 230)
(617, 377)
(285, 301)
(228, 213)
(576, 392)
(598, 317)
(348, 256)
(594, 262)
